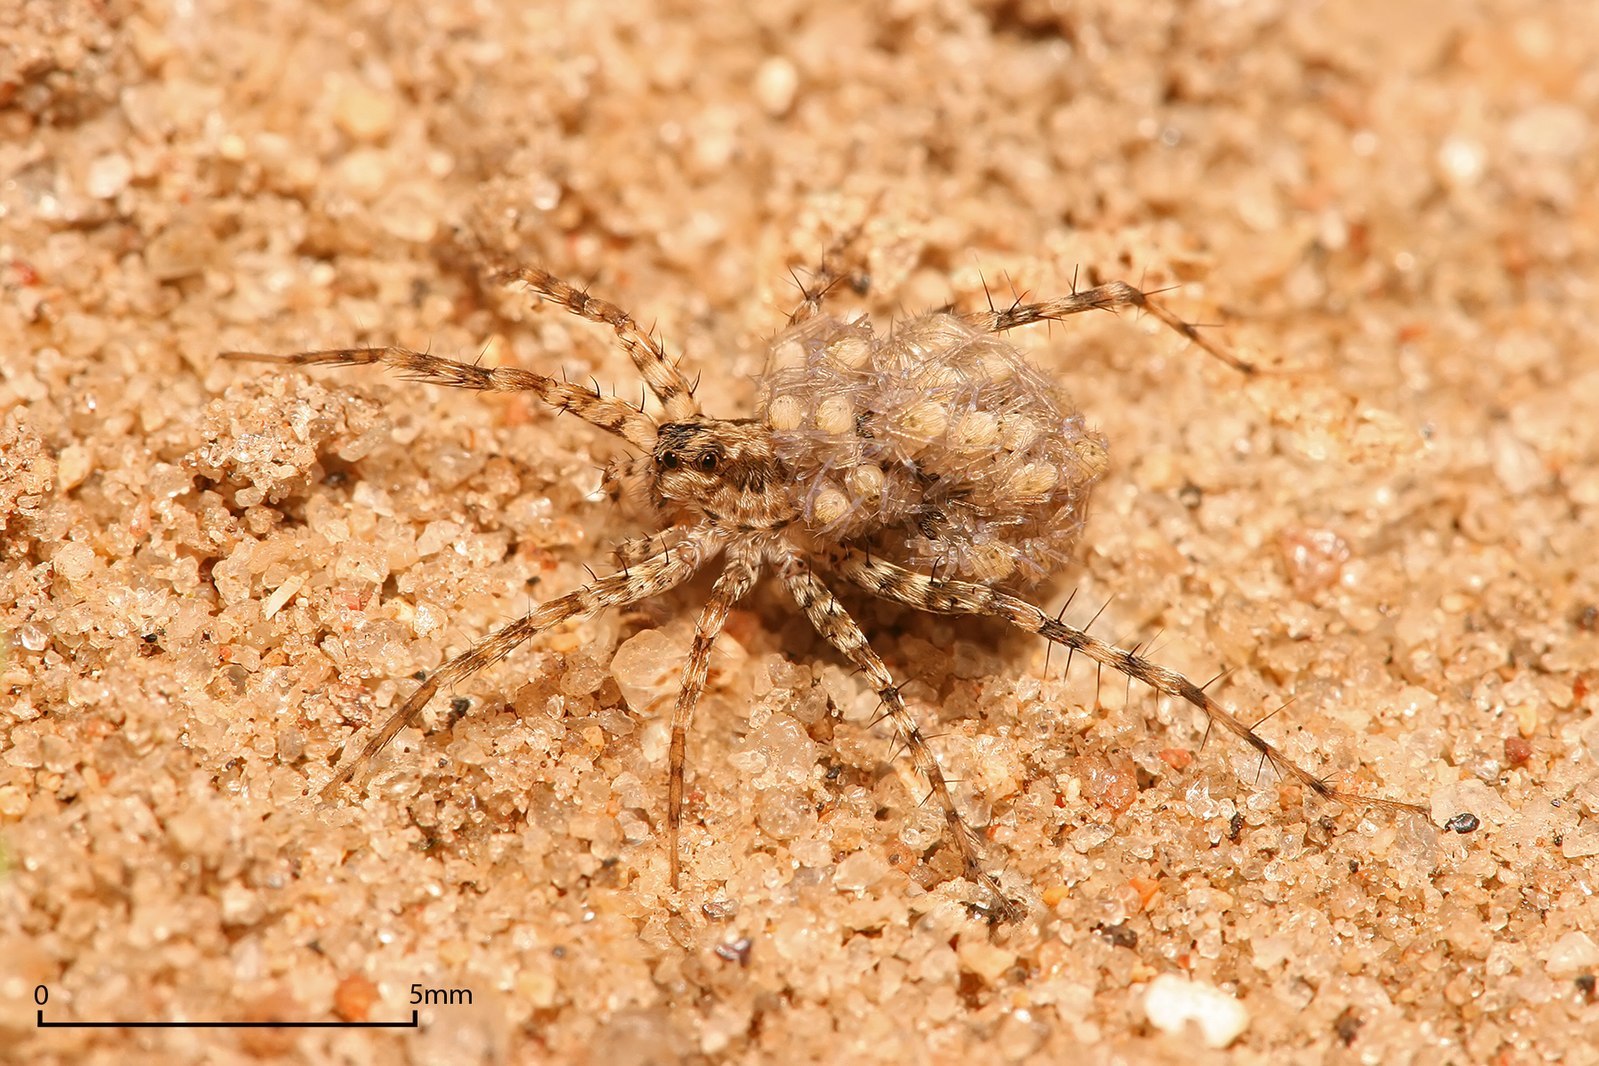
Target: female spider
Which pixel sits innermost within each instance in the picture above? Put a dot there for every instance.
(932, 466)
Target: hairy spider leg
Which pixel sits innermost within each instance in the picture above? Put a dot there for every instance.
(829, 272)
(738, 576)
(607, 412)
(829, 617)
(1111, 296)
(659, 372)
(959, 597)
(649, 578)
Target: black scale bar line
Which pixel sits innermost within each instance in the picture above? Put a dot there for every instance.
(412, 1024)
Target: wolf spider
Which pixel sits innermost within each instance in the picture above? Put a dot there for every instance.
(936, 447)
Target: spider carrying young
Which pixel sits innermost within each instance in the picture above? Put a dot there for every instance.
(932, 466)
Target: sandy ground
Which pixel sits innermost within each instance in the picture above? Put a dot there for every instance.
(212, 576)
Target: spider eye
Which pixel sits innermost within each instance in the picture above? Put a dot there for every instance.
(669, 461)
(707, 463)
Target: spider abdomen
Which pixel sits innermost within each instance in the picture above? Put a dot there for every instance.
(938, 444)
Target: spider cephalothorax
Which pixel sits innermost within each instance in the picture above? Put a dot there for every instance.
(724, 471)
(935, 446)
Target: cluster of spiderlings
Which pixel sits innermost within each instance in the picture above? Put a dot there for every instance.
(937, 444)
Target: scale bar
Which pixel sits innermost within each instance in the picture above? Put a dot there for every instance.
(412, 1024)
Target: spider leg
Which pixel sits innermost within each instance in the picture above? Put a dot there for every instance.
(823, 280)
(736, 579)
(1111, 296)
(649, 578)
(960, 597)
(830, 272)
(607, 412)
(634, 550)
(659, 373)
(834, 623)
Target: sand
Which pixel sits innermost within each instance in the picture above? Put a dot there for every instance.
(213, 575)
